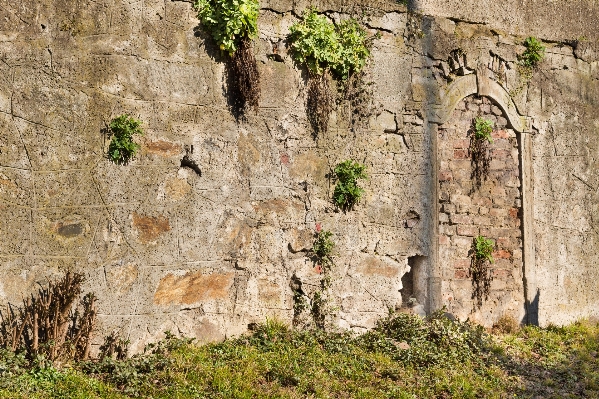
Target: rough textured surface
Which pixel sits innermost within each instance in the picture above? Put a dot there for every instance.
(205, 254)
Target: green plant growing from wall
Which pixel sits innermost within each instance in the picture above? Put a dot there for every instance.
(327, 50)
(322, 255)
(323, 248)
(122, 147)
(528, 61)
(480, 139)
(347, 191)
(480, 269)
(233, 25)
(534, 53)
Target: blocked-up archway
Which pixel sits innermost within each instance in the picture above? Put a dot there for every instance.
(500, 209)
(492, 210)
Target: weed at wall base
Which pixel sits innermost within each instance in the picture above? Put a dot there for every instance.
(322, 255)
(51, 325)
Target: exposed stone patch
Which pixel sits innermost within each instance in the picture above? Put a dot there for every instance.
(192, 288)
(122, 278)
(176, 189)
(149, 228)
(374, 266)
(162, 148)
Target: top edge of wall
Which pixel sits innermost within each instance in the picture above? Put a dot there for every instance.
(553, 20)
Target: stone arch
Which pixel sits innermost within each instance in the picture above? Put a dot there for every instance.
(480, 84)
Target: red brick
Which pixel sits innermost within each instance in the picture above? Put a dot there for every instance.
(469, 231)
(500, 154)
(481, 220)
(460, 219)
(443, 240)
(505, 243)
(498, 212)
(500, 134)
(497, 164)
(460, 154)
(501, 254)
(482, 201)
(501, 273)
(461, 164)
(445, 175)
(503, 264)
(461, 263)
(515, 233)
(514, 213)
(461, 143)
(498, 192)
(517, 254)
(460, 274)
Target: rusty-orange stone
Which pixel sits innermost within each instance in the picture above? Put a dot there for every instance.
(192, 288)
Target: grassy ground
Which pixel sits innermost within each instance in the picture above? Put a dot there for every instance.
(405, 357)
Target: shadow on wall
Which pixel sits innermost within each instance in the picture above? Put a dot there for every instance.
(532, 311)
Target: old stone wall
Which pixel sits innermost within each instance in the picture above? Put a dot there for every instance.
(205, 254)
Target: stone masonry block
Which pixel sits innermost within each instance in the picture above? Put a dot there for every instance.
(470, 231)
(460, 219)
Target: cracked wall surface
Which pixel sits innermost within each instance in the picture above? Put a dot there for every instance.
(205, 254)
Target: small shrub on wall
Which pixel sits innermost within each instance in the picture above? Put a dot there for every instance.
(528, 61)
(347, 191)
(233, 26)
(122, 147)
(534, 53)
(327, 50)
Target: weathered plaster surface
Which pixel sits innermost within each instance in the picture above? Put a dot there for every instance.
(205, 255)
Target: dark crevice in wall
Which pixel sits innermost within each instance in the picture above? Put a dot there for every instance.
(413, 292)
